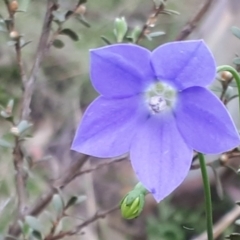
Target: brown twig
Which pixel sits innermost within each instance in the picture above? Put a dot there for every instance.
(17, 152)
(65, 179)
(50, 235)
(190, 26)
(18, 157)
(101, 165)
(45, 199)
(55, 225)
(43, 46)
(73, 170)
(78, 228)
(17, 45)
(27, 97)
(20, 178)
(151, 20)
(41, 50)
(20, 63)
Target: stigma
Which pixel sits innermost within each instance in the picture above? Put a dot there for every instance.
(160, 97)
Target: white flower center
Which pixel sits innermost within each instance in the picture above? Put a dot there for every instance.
(160, 96)
(157, 104)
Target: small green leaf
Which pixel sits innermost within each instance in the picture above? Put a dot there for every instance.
(11, 43)
(8, 137)
(71, 202)
(234, 236)
(3, 27)
(158, 2)
(23, 126)
(58, 43)
(9, 107)
(235, 31)
(34, 223)
(24, 43)
(106, 40)
(58, 203)
(20, 11)
(155, 34)
(83, 21)
(70, 33)
(148, 37)
(68, 13)
(50, 216)
(5, 143)
(8, 22)
(4, 204)
(24, 5)
(37, 234)
(4, 114)
(25, 229)
(170, 12)
(82, 1)
(236, 61)
(59, 16)
(75, 200)
(8, 236)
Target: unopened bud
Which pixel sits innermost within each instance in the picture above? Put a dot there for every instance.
(120, 29)
(131, 208)
(223, 159)
(14, 131)
(226, 76)
(13, 6)
(136, 33)
(81, 10)
(9, 107)
(132, 204)
(14, 35)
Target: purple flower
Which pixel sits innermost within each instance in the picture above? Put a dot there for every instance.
(156, 106)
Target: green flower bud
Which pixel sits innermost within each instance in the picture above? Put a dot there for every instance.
(120, 29)
(134, 208)
(132, 204)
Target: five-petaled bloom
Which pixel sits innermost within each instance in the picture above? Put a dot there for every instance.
(156, 106)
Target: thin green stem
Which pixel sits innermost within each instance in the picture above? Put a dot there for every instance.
(235, 75)
(207, 194)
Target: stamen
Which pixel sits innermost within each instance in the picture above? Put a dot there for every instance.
(157, 104)
(160, 96)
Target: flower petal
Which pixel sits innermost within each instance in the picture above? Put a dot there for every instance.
(108, 126)
(159, 156)
(184, 64)
(204, 122)
(121, 70)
